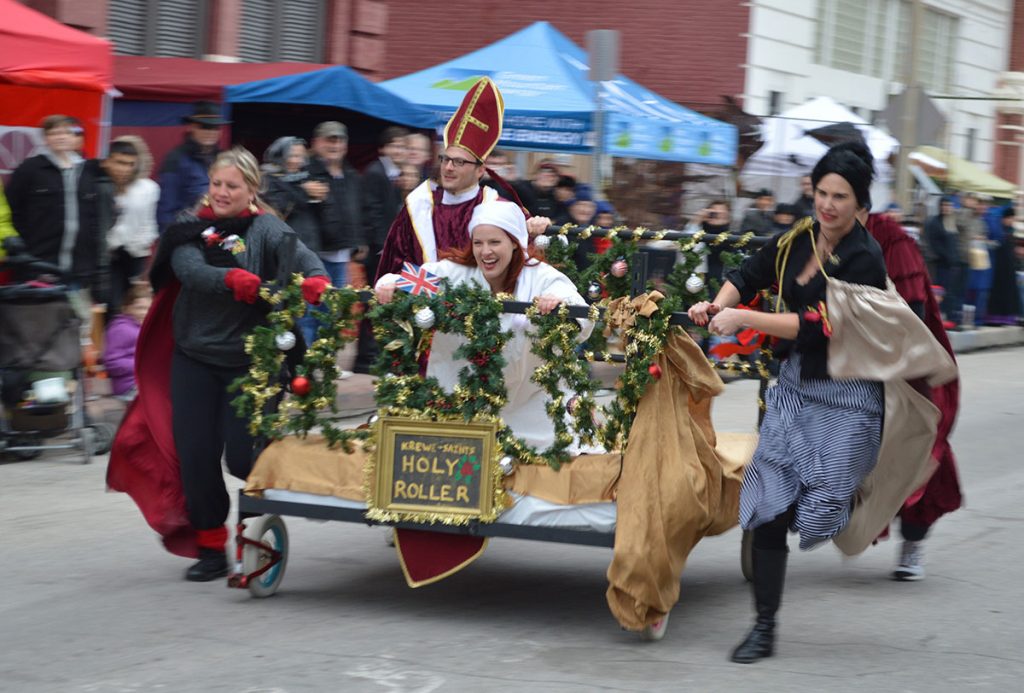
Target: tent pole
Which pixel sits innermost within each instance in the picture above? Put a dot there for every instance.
(908, 129)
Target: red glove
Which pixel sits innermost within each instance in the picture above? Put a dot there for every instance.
(246, 285)
(313, 288)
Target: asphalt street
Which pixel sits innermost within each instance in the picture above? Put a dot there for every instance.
(90, 603)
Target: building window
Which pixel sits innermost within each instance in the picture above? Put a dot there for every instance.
(872, 37)
(282, 31)
(164, 29)
(774, 103)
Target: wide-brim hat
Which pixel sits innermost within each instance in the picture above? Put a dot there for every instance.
(206, 113)
(476, 126)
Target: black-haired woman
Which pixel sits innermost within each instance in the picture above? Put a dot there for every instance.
(820, 437)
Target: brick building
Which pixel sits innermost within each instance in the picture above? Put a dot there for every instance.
(1009, 152)
(766, 54)
(691, 51)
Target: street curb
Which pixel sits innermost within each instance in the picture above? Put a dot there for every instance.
(986, 338)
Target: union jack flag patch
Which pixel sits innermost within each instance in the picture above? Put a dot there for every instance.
(415, 280)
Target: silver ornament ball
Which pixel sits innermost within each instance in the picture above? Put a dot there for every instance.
(541, 242)
(424, 318)
(694, 283)
(594, 290)
(507, 466)
(285, 341)
(619, 268)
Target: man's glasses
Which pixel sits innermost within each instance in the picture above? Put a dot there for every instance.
(455, 161)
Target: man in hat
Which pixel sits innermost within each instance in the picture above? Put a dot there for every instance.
(337, 189)
(436, 214)
(183, 176)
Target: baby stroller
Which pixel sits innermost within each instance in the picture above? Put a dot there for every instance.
(42, 393)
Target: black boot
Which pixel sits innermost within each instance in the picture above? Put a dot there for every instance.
(212, 564)
(769, 577)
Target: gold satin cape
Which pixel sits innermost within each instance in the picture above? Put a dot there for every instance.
(876, 336)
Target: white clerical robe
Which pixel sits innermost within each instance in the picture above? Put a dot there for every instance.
(525, 411)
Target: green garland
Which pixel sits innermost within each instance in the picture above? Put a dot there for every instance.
(480, 392)
(263, 385)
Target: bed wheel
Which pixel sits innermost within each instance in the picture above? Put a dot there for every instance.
(87, 438)
(268, 530)
(104, 436)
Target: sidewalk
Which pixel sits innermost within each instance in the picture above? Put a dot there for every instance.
(986, 338)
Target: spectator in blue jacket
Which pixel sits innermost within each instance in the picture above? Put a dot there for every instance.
(183, 176)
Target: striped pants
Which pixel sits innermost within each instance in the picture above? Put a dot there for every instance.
(819, 439)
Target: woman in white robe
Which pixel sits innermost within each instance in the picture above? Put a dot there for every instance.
(499, 260)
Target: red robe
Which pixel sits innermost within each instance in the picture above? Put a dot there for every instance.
(907, 270)
(451, 230)
(144, 460)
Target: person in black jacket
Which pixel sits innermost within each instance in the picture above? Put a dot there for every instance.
(183, 175)
(820, 436)
(62, 207)
(942, 237)
(382, 198)
(285, 174)
(335, 187)
(538, 194)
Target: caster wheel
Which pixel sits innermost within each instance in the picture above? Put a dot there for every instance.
(269, 530)
(104, 433)
(87, 439)
(747, 555)
(655, 631)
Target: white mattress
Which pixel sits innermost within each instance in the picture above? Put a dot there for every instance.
(527, 511)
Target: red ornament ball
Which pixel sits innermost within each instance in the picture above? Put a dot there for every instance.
(300, 385)
(655, 371)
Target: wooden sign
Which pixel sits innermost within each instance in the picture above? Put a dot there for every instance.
(435, 471)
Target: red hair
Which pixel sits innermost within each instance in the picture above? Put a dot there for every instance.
(464, 256)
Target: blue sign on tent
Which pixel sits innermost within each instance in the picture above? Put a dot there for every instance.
(549, 102)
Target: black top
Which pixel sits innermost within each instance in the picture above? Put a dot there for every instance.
(857, 260)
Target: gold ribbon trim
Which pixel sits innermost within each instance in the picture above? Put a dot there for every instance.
(621, 313)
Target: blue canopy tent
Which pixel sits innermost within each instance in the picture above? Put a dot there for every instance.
(294, 104)
(550, 103)
(338, 87)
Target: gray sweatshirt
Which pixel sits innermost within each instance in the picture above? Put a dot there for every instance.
(209, 324)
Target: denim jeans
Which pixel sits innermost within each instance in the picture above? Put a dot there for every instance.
(338, 273)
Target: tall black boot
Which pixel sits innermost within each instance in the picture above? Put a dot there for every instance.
(769, 577)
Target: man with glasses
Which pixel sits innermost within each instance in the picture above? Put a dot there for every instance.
(436, 214)
(183, 178)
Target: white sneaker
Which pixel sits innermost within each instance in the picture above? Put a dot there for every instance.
(655, 631)
(911, 563)
(344, 375)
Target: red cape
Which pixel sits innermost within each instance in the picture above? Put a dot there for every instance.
(906, 268)
(143, 459)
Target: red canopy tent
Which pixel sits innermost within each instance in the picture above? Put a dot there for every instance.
(45, 68)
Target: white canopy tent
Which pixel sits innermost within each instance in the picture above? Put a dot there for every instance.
(789, 152)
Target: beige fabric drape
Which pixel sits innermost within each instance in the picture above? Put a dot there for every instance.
(876, 336)
(676, 488)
